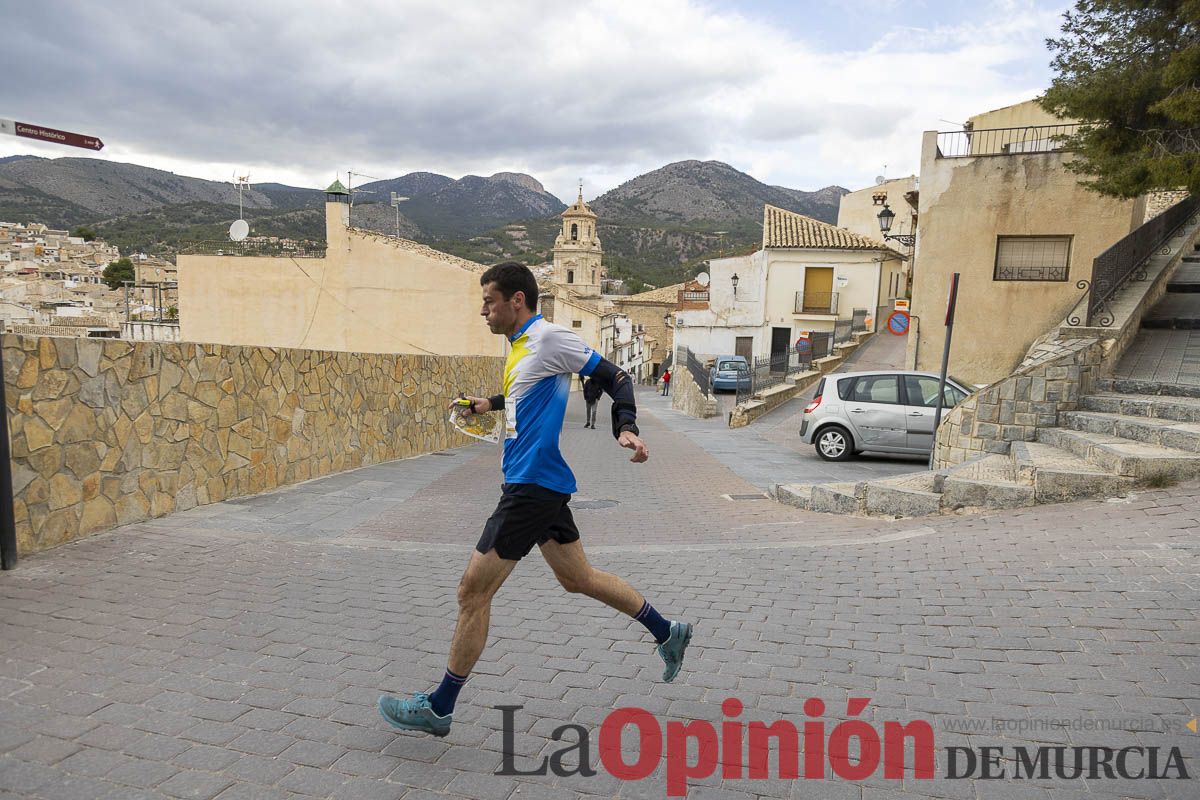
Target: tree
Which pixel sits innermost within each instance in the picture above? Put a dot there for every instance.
(85, 233)
(1130, 70)
(117, 272)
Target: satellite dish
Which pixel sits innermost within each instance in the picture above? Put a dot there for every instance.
(702, 279)
(879, 179)
(239, 230)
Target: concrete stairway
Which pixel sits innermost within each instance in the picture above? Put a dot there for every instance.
(1180, 306)
(1117, 441)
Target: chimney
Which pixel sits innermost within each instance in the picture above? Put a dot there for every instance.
(337, 212)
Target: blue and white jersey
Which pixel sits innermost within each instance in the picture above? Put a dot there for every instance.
(537, 382)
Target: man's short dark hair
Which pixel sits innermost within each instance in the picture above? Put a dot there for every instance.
(510, 278)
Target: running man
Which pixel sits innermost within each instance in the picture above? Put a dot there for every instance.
(537, 487)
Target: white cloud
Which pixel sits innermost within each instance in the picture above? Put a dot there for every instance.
(295, 92)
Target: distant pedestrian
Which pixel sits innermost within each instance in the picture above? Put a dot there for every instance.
(592, 389)
(666, 379)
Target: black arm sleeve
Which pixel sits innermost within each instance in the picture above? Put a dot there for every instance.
(497, 401)
(619, 387)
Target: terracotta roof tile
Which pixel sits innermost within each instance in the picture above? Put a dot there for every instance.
(664, 294)
(788, 229)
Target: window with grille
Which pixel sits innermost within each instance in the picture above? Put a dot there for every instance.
(1032, 258)
(576, 323)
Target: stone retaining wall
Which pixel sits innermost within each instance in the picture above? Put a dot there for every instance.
(109, 432)
(1012, 409)
(686, 395)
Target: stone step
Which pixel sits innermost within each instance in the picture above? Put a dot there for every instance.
(1059, 476)
(1178, 311)
(798, 495)
(903, 496)
(838, 498)
(1123, 457)
(1180, 409)
(1157, 388)
(1161, 432)
(988, 482)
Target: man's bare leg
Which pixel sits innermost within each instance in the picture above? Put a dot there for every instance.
(432, 713)
(484, 576)
(577, 575)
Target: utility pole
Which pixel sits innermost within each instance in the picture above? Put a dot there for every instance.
(396, 201)
(8, 525)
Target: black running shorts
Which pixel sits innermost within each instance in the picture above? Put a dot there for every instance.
(527, 514)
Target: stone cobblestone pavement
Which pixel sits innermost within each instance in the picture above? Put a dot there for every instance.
(235, 651)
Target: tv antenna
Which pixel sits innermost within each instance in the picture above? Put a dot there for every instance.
(350, 186)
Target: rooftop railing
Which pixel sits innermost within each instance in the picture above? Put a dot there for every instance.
(1005, 141)
(247, 248)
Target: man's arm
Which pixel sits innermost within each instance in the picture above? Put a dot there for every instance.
(616, 383)
(619, 387)
(482, 405)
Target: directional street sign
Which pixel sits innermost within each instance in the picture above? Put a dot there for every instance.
(50, 134)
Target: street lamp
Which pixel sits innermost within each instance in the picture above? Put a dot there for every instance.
(885, 225)
(734, 280)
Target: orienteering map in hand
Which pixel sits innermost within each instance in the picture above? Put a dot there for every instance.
(485, 427)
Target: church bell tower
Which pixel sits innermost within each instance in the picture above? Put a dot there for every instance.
(577, 251)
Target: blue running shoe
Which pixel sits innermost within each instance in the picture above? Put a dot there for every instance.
(414, 714)
(673, 648)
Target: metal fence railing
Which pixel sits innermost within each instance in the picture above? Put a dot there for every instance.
(1005, 141)
(769, 371)
(698, 372)
(1116, 265)
(254, 248)
(816, 302)
(843, 329)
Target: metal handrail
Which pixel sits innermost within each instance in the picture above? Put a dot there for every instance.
(1126, 258)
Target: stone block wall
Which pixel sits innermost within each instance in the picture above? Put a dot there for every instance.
(109, 432)
(686, 396)
(1052, 378)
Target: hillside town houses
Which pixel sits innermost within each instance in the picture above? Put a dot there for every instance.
(52, 283)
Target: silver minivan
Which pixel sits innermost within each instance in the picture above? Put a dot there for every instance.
(880, 412)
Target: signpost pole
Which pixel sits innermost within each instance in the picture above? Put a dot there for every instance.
(937, 413)
(8, 525)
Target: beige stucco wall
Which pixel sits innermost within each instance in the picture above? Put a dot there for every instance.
(965, 204)
(370, 294)
(858, 213)
(1020, 114)
(109, 432)
(865, 271)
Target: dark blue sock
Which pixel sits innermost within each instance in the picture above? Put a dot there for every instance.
(444, 697)
(659, 628)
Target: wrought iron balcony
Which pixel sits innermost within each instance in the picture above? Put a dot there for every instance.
(816, 302)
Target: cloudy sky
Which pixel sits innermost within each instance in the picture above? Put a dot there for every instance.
(802, 94)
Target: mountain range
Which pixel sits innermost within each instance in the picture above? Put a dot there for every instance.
(655, 228)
